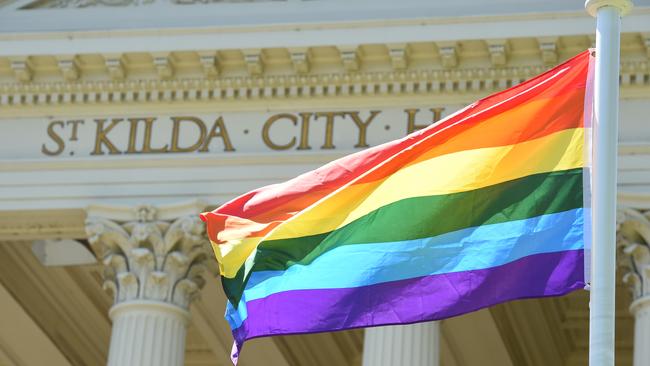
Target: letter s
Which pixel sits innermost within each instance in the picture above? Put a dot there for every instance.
(56, 138)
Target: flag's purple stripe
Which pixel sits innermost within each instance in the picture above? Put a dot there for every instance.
(413, 300)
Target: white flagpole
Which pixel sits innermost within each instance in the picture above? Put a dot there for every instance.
(608, 15)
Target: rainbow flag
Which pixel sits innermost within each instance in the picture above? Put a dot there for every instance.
(486, 206)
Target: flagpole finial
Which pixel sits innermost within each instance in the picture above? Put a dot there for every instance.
(623, 6)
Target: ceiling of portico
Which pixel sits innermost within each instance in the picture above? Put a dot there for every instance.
(532, 328)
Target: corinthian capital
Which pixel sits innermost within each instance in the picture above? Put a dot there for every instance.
(150, 253)
(633, 241)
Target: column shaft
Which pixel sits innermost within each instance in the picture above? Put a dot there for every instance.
(147, 334)
(641, 310)
(413, 345)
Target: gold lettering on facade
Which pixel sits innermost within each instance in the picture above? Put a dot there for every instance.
(437, 113)
(282, 131)
(411, 126)
(133, 133)
(218, 130)
(75, 124)
(102, 139)
(329, 127)
(267, 127)
(362, 126)
(176, 128)
(304, 131)
(56, 138)
(146, 144)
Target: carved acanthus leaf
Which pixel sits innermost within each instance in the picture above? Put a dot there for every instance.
(150, 259)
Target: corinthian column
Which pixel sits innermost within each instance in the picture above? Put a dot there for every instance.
(153, 260)
(634, 259)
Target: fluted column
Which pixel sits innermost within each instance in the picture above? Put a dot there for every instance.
(147, 333)
(413, 345)
(634, 260)
(153, 260)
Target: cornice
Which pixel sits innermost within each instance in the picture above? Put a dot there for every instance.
(426, 68)
(635, 77)
(439, 75)
(271, 87)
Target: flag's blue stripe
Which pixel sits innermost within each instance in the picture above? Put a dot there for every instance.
(474, 248)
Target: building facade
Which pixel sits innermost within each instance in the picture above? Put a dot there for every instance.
(121, 120)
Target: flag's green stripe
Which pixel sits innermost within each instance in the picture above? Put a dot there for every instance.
(422, 217)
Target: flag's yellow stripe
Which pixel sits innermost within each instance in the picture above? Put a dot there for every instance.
(456, 172)
(232, 254)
